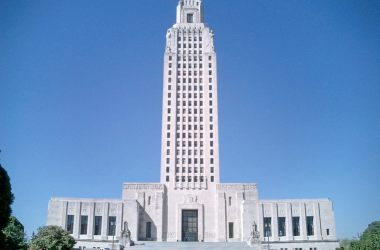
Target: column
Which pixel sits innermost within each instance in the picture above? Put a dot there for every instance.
(105, 221)
(77, 219)
(317, 221)
(90, 231)
(119, 220)
(275, 222)
(64, 215)
(303, 221)
(289, 225)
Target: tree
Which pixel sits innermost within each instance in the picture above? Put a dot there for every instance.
(370, 239)
(14, 235)
(52, 238)
(345, 244)
(6, 199)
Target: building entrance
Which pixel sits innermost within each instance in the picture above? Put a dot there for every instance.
(189, 225)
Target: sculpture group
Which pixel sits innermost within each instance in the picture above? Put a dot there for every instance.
(125, 240)
(254, 238)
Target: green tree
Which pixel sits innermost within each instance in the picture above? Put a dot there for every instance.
(52, 238)
(6, 199)
(14, 235)
(370, 239)
(345, 244)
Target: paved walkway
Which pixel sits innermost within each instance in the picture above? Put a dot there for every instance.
(190, 245)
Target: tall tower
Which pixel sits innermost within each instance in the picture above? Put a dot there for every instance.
(190, 145)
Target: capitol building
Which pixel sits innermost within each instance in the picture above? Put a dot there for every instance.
(190, 203)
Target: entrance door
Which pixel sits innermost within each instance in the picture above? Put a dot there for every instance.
(189, 225)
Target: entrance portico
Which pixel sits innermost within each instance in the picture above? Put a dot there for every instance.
(190, 222)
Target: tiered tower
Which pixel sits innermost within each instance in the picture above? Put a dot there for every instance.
(189, 149)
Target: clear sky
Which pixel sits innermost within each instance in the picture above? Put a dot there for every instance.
(299, 99)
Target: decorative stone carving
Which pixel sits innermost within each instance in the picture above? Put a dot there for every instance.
(168, 42)
(125, 240)
(144, 186)
(190, 198)
(254, 238)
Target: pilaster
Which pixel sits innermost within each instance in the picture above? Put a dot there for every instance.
(105, 221)
(303, 232)
(275, 222)
(90, 229)
(77, 219)
(289, 226)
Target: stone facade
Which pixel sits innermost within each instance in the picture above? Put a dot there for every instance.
(190, 203)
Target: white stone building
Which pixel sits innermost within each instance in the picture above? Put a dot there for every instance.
(190, 203)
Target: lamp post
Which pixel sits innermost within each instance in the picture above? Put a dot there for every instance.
(267, 233)
(113, 233)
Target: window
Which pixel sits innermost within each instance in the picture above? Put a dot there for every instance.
(281, 226)
(190, 18)
(167, 178)
(310, 225)
(111, 225)
(167, 169)
(229, 201)
(98, 225)
(212, 178)
(70, 223)
(148, 232)
(267, 226)
(328, 232)
(296, 226)
(230, 230)
(83, 224)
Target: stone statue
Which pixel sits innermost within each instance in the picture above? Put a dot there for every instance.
(125, 240)
(168, 48)
(254, 238)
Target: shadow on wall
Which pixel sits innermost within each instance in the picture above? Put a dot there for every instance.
(147, 228)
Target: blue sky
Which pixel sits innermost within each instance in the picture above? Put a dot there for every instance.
(299, 99)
